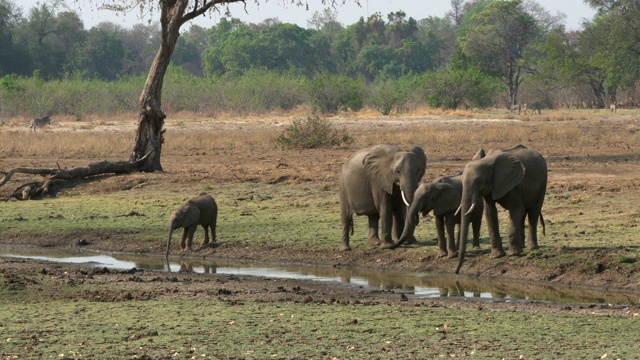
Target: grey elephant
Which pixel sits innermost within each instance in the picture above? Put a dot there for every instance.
(200, 210)
(442, 196)
(515, 178)
(379, 182)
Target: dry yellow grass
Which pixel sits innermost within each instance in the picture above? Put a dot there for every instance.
(434, 129)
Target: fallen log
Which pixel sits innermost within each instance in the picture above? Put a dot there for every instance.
(38, 188)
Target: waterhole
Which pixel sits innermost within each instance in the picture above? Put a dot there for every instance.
(411, 284)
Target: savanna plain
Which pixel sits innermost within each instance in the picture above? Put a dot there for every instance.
(281, 207)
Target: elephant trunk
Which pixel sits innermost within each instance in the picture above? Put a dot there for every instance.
(467, 205)
(410, 224)
(166, 255)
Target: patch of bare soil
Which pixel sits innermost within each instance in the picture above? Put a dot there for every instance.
(569, 166)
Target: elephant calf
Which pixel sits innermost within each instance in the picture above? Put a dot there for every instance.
(442, 196)
(200, 210)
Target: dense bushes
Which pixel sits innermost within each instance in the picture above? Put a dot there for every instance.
(256, 91)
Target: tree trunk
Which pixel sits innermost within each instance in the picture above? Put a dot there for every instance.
(149, 136)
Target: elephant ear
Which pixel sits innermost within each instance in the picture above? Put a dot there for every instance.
(378, 163)
(508, 172)
(479, 155)
(421, 160)
(448, 199)
(191, 215)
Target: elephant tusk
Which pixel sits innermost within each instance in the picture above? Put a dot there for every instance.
(473, 205)
(458, 211)
(404, 198)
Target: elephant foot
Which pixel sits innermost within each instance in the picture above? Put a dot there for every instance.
(515, 251)
(497, 253)
(388, 245)
(534, 247)
(452, 255)
(476, 247)
(411, 240)
(374, 241)
(442, 253)
(345, 247)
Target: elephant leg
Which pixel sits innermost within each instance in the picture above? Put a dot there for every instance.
(213, 231)
(183, 239)
(491, 214)
(442, 242)
(372, 238)
(206, 235)
(532, 239)
(192, 231)
(450, 223)
(475, 224)
(516, 231)
(386, 222)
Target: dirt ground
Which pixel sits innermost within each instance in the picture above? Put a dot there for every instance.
(612, 167)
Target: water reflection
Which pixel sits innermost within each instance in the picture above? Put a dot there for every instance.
(409, 283)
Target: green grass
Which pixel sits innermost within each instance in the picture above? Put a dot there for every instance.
(214, 329)
(306, 216)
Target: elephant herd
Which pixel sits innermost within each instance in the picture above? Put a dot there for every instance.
(383, 182)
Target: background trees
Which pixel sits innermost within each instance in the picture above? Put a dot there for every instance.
(481, 53)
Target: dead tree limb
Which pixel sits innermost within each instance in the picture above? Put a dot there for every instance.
(37, 188)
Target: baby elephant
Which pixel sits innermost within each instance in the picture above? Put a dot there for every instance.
(443, 196)
(200, 210)
(36, 123)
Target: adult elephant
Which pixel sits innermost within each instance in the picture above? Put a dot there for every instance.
(515, 178)
(442, 196)
(379, 182)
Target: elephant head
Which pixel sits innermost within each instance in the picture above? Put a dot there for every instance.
(438, 197)
(490, 177)
(186, 215)
(391, 167)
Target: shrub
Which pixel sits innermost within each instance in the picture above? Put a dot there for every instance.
(331, 93)
(451, 88)
(312, 133)
(387, 95)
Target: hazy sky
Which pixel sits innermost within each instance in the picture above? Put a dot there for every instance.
(348, 14)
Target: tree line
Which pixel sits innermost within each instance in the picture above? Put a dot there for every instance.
(481, 53)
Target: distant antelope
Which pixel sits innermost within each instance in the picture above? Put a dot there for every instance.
(36, 123)
(613, 107)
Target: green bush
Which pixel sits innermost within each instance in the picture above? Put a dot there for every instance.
(331, 93)
(312, 133)
(387, 95)
(451, 88)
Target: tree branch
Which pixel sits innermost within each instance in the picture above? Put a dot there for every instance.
(206, 5)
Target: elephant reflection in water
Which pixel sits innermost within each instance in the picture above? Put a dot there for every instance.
(187, 266)
(456, 290)
(453, 290)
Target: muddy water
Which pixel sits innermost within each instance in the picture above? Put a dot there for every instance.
(409, 283)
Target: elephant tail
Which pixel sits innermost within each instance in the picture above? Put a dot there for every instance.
(544, 230)
(351, 225)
